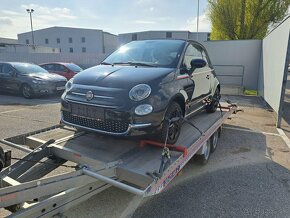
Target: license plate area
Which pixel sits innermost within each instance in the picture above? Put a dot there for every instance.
(60, 88)
(87, 111)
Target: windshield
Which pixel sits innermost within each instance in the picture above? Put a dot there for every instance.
(157, 53)
(28, 68)
(74, 67)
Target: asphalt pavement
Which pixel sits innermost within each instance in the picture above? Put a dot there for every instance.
(247, 176)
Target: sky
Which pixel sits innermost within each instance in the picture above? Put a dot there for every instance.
(114, 16)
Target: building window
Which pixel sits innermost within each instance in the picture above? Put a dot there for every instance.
(71, 50)
(208, 37)
(27, 41)
(59, 50)
(84, 50)
(83, 39)
(168, 34)
(58, 40)
(46, 41)
(70, 39)
(134, 36)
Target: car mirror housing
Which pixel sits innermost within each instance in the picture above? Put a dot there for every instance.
(197, 63)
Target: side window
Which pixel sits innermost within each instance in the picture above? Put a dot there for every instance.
(191, 53)
(6, 69)
(1, 67)
(48, 67)
(60, 68)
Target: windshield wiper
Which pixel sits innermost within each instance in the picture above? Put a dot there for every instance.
(105, 63)
(134, 64)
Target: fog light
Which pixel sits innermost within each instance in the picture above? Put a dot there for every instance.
(143, 109)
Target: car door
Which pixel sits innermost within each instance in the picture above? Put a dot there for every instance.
(200, 76)
(9, 77)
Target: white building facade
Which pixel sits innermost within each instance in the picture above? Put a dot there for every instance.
(128, 37)
(72, 40)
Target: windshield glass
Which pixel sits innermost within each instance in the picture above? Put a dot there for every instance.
(74, 67)
(157, 53)
(28, 68)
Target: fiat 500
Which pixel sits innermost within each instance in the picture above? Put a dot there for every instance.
(140, 87)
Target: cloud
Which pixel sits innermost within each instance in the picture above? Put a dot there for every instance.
(17, 21)
(5, 21)
(145, 22)
(204, 24)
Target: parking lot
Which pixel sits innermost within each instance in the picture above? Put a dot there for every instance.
(247, 176)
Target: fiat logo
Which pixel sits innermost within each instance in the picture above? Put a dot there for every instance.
(89, 95)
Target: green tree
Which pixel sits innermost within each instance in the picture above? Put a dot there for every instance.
(245, 19)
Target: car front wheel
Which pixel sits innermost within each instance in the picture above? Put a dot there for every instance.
(172, 129)
(26, 91)
(213, 105)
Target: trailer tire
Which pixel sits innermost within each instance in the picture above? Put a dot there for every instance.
(214, 141)
(203, 158)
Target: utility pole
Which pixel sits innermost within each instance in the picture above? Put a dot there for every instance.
(30, 11)
(197, 20)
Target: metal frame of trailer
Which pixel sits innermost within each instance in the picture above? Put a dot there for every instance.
(93, 163)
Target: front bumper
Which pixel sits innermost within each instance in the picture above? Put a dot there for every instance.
(49, 88)
(118, 122)
(133, 129)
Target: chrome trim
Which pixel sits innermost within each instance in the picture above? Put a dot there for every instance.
(95, 105)
(95, 96)
(131, 126)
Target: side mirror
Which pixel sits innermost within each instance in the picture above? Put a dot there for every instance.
(12, 73)
(197, 63)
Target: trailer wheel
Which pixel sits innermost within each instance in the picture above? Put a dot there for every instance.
(203, 158)
(214, 141)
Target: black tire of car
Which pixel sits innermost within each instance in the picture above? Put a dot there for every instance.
(27, 91)
(212, 107)
(173, 110)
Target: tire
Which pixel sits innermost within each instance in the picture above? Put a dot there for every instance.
(203, 158)
(212, 107)
(27, 91)
(214, 141)
(173, 110)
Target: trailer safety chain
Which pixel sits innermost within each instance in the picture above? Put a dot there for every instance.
(42, 162)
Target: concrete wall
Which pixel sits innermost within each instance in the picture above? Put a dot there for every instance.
(110, 42)
(84, 60)
(236, 62)
(273, 66)
(14, 48)
(94, 41)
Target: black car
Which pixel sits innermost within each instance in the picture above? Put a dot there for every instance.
(29, 79)
(140, 87)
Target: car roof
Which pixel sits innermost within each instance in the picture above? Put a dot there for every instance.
(63, 63)
(14, 62)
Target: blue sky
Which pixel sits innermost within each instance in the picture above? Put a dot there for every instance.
(115, 16)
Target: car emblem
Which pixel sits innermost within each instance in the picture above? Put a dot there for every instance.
(89, 95)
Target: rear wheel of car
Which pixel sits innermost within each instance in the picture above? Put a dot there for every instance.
(173, 129)
(212, 107)
(27, 91)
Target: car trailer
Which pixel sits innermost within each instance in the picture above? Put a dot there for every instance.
(93, 163)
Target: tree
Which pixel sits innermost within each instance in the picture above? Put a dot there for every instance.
(245, 19)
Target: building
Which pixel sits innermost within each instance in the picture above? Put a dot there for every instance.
(128, 37)
(13, 46)
(72, 40)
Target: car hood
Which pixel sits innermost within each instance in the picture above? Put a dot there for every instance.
(123, 76)
(46, 76)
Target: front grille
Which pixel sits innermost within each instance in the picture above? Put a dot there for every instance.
(112, 126)
(60, 84)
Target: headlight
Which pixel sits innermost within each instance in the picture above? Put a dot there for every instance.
(143, 109)
(39, 81)
(139, 92)
(68, 85)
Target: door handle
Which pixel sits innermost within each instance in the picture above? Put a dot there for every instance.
(207, 76)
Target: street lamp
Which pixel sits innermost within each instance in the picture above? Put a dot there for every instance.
(197, 20)
(30, 11)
